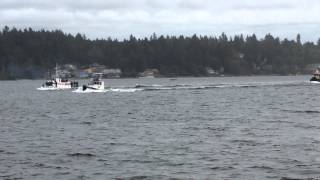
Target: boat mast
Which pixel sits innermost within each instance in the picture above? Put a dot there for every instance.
(56, 70)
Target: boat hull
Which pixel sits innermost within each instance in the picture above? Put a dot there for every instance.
(315, 82)
(90, 89)
(52, 88)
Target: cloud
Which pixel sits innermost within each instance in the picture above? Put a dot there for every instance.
(120, 18)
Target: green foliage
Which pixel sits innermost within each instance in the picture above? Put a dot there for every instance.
(28, 50)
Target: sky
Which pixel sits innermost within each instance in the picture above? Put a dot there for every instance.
(121, 18)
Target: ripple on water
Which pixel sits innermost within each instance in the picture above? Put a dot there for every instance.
(87, 155)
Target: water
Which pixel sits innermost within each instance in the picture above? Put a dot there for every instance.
(185, 128)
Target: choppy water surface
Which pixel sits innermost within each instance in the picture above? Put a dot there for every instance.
(188, 128)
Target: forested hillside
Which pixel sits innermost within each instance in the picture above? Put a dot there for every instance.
(29, 54)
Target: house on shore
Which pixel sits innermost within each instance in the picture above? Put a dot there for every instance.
(97, 68)
(311, 68)
(211, 72)
(112, 73)
(150, 73)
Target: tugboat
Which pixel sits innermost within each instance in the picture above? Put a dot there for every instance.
(316, 77)
(95, 85)
(58, 82)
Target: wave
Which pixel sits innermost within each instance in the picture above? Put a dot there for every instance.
(81, 155)
(158, 87)
(125, 89)
(146, 86)
(303, 111)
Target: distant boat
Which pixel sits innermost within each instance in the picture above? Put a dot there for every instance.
(95, 85)
(58, 82)
(316, 77)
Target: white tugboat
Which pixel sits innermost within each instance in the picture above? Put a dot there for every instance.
(57, 82)
(316, 77)
(95, 85)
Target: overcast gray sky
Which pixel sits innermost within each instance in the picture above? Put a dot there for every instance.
(120, 18)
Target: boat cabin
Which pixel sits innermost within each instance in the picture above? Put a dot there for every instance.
(96, 79)
(316, 76)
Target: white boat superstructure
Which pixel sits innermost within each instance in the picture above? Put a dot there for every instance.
(316, 77)
(58, 83)
(95, 85)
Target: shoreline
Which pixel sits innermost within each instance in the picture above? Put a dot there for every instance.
(176, 77)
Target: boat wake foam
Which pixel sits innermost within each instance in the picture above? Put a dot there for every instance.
(89, 91)
(157, 87)
(125, 89)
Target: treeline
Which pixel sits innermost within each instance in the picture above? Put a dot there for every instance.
(29, 54)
